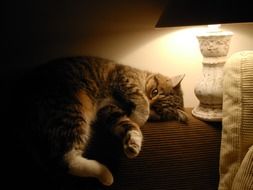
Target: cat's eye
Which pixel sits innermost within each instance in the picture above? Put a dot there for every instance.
(154, 92)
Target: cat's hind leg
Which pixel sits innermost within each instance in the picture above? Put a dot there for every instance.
(77, 164)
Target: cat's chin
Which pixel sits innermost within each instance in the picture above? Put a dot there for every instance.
(154, 117)
(182, 117)
(153, 120)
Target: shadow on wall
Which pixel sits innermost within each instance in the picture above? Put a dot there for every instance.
(36, 31)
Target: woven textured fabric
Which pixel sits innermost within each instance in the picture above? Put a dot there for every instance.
(237, 133)
(246, 132)
(244, 177)
(174, 156)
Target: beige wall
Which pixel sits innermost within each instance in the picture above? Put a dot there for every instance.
(120, 30)
(177, 51)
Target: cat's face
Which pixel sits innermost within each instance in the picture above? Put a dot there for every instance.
(165, 98)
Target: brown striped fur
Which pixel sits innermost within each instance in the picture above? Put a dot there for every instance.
(69, 94)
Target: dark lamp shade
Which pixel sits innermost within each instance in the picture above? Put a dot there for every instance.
(203, 12)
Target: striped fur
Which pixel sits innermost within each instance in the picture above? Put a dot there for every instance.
(69, 94)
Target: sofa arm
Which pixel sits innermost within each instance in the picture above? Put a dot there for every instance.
(174, 156)
(237, 131)
(244, 176)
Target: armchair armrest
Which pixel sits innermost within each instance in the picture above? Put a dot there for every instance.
(174, 156)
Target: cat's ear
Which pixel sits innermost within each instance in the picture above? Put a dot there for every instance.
(176, 80)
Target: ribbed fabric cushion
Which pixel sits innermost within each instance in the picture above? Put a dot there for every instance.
(237, 133)
(244, 177)
(174, 157)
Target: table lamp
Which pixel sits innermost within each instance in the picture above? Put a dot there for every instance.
(214, 44)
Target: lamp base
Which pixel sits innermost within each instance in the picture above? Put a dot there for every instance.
(214, 47)
(208, 112)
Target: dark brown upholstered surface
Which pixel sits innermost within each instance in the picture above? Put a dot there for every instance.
(174, 157)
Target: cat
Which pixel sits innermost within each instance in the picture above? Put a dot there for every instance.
(68, 94)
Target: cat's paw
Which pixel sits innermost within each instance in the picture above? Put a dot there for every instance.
(105, 176)
(182, 116)
(132, 143)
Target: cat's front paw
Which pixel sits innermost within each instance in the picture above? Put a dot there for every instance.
(132, 143)
(182, 116)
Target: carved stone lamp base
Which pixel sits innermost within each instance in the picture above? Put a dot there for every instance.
(214, 47)
(208, 113)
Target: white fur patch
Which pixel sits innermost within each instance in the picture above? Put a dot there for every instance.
(136, 136)
(132, 143)
(82, 167)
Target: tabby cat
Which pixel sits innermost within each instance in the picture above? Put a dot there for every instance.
(69, 94)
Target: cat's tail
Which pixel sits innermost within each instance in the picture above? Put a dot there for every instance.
(82, 167)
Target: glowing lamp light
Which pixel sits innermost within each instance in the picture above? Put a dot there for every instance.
(213, 43)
